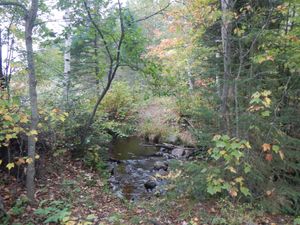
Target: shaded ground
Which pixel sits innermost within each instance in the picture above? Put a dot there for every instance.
(90, 202)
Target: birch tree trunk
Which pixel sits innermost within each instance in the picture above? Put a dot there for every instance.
(29, 24)
(67, 62)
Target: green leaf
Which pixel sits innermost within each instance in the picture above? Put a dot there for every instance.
(275, 148)
(296, 221)
(220, 144)
(266, 113)
(245, 191)
(247, 168)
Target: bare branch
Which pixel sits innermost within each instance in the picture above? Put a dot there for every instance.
(99, 31)
(122, 33)
(153, 14)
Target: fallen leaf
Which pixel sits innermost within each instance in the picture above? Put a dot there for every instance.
(233, 193)
(269, 157)
(266, 147)
(281, 155)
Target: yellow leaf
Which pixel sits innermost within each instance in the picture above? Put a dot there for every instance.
(266, 147)
(37, 156)
(8, 136)
(216, 137)
(239, 179)
(209, 151)
(32, 132)
(71, 222)
(266, 93)
(9, 166)
(24, 119)
(281, 154)
(232, 170)
(29, 160)
(17, 129)
(222, 152)
(1, 161)
(267, 102)
(8, 118)
(62, 118)
(247, 144)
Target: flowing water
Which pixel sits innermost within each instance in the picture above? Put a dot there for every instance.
(135, 167)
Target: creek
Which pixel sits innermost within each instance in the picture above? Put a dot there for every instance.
(135, 168)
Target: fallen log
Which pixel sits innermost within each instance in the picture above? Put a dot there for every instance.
(169, 146)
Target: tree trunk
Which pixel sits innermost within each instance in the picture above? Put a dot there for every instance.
(113, 67)
(226, 39)
(2, 78)
(29, 24)
(67, 63)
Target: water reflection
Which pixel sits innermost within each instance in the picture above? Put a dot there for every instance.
(130, 148)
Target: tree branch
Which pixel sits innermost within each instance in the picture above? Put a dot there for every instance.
(20, 5)
(122, 34)
(99, 31)
(154, 14)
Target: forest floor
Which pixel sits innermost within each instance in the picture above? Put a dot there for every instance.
(70, 193)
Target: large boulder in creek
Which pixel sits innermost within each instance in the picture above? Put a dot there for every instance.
(178, 152)
(160, 165)
(150, 185)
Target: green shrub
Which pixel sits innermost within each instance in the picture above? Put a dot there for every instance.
(190, 182)
(230, 167)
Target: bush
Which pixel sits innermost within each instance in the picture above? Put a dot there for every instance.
(190, 182)
(118, 111)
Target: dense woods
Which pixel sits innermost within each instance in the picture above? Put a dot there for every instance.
(150, 112)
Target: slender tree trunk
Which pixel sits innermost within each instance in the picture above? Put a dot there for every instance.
(67, 63)
(111, 75)
(113, 67)
(2, 78)
(97, 70)
(226, 41)
(29, 24)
